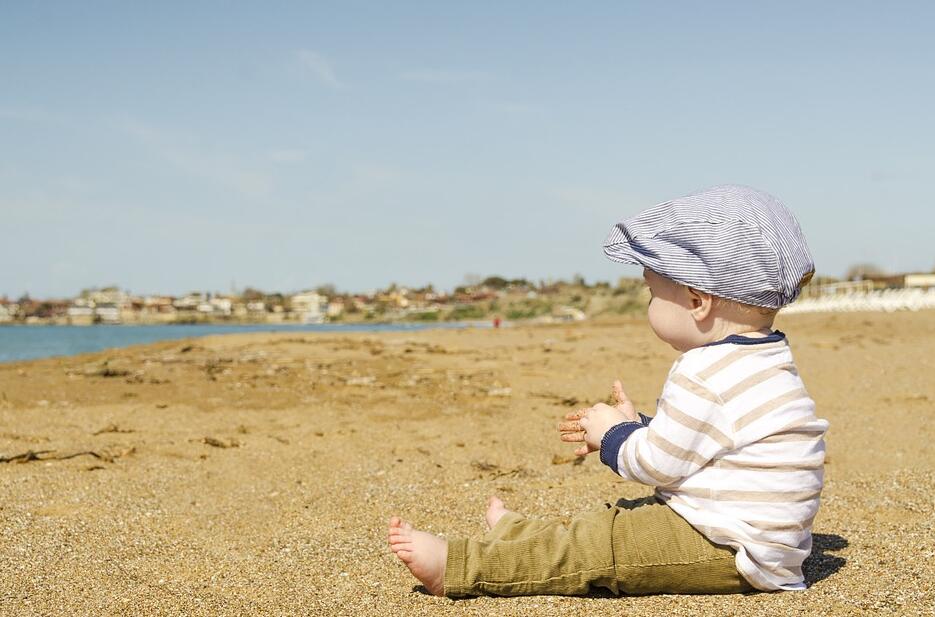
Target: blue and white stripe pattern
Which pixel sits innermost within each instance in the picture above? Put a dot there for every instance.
(731, 241)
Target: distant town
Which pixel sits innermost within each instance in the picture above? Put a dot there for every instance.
(491, 298)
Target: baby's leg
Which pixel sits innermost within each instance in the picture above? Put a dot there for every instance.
(531, 557)
(426, 554)
(505, 524)
(637, 547)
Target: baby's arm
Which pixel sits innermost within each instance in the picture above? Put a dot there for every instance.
(685, 434)
(688, 431)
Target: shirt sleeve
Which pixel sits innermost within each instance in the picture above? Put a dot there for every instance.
(688, 430)
(613, 439)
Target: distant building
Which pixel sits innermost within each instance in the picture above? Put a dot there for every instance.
(222, 305)
(93, 307)
(335, 308)
(258, 307)
(189, 303)
(106, 305)
(81, 312)
(363, 303)
(158, 305)
(919, 280)
(6, 314)
(207, 304)
(436, 297)
(309, 306)
(107, 313)
(914, 279)
(821, 288)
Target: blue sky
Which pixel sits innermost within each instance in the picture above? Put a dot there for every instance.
(168, 147)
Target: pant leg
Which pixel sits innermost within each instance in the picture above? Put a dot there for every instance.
(513, 526)
(541, 557)
(637, 547)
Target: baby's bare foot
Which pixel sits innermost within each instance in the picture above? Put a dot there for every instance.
(495, 511)
(423, 553)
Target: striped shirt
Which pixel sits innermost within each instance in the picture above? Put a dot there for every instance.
(735, 448)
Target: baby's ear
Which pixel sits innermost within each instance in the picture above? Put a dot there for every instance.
(695, 296)
(700, 303)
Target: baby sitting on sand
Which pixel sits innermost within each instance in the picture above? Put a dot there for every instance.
(734, 451)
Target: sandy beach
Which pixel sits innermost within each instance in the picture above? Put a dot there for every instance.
(254, 474)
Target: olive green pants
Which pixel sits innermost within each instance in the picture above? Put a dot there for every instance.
(635, 547)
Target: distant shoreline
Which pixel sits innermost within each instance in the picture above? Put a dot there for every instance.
(42, 341)
(278, 324)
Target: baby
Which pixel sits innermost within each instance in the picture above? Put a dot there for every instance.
(734, 451)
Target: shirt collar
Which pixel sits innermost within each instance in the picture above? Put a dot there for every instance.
(738, 339)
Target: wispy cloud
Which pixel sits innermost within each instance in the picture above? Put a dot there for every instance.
(199, 162)
(445, 76)
(319, 67)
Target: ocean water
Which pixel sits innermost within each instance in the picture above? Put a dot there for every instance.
(30, 342)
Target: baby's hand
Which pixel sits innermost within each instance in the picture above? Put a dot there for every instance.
(590, 425)
(623, 403)
(572, 429)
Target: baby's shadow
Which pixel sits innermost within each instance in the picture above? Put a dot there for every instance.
(820, 565)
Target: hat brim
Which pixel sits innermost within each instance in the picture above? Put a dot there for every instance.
(625, 253)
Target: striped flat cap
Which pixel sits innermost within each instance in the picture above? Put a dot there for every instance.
(731, 241)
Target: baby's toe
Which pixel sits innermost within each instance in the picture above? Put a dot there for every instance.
(404, 555)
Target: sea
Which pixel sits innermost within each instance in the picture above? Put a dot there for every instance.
(31, 342)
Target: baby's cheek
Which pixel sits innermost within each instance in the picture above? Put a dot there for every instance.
(666, 319)
(657, 318)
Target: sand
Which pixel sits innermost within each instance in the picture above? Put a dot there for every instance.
(254, 474)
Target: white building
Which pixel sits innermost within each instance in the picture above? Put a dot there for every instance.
(335, 309)
(222, 305)
(107, 295)
(215, 305)
(107, 313)
(920, 280)
(80, 310)
(190, 302)
(158, 304)
(309, 306)
(84, 311)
